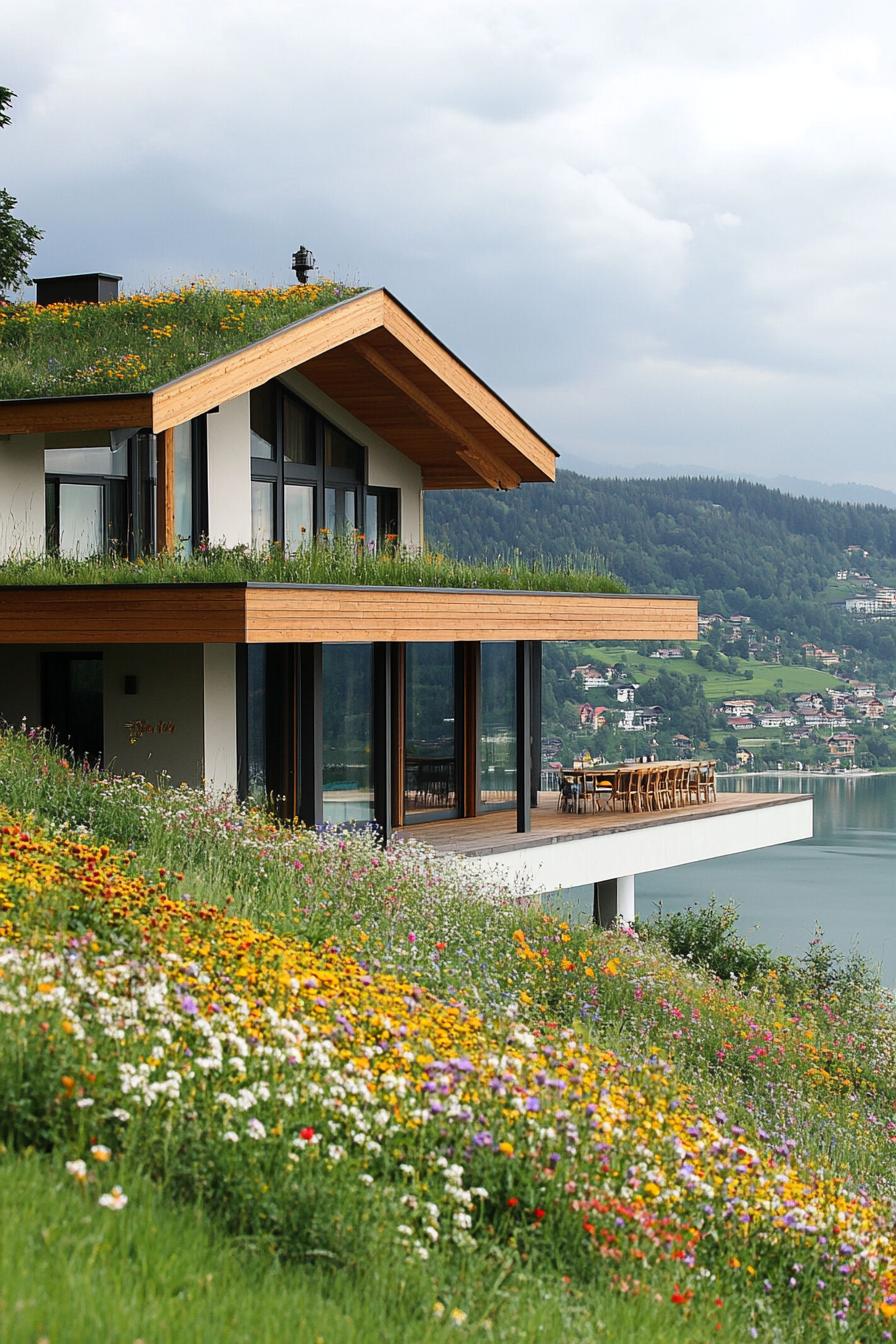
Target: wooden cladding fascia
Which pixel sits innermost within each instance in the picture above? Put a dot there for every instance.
(212, 614)
(428, 615)
(199, 614)
(232, 375)
(49, 414)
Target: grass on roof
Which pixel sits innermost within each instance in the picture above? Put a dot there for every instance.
(323, 561)
(138, 342)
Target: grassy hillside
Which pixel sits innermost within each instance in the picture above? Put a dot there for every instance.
(738, 546)
(398, 1101)
(717, 686)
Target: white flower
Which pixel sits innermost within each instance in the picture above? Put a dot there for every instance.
(231, 1136)
(115, 1200)
(83, 1102)
(77, 1168)
(255, 1129)
(431, 1232)
(334, 1152)
(406, 1169)
(100, 1152)
(365, 1178)
(121, 1114)
(404, 1230)
(422, 1252)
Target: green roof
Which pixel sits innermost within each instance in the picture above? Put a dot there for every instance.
(138, 342)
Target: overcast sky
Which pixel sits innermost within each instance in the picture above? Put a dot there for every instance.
(664, 230)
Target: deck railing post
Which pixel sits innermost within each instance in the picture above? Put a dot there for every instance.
(523, 735)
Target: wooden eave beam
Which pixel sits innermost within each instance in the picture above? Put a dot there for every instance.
(44, 415)
(405, 328)
(165, 492)
(485, 465)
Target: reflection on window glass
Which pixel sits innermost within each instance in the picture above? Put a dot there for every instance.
(298, 443)
(430, 750)
(341, 452)
(348, 732)
(262, 421)
(256, 734)
(497, 734)
(298, 516)
(183, 487)
(262, 514)
(86, 461)
(81, 523)
(340, 511)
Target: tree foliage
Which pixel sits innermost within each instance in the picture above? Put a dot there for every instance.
(18, 240)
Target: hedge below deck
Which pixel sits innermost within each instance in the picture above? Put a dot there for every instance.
(324, 562)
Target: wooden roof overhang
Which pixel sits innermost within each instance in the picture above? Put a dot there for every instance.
(373, 357)
(258, 613)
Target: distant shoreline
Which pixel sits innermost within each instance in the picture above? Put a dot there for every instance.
(801, 774)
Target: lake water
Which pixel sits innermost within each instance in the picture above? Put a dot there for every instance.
(843, 879)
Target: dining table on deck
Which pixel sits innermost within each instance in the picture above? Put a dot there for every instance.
(638, 785)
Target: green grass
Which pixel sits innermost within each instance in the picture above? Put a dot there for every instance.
(74, 1273)
(323, 561)
(141, 341)
(718, 686)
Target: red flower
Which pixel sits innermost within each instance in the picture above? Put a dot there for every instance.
(440, 947)
(679, 1297)
(512, 1202)
(307, 1133)
(539, 1214)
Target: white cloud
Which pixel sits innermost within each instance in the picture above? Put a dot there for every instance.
(665, 226)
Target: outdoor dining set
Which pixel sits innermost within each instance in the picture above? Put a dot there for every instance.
(654, 786)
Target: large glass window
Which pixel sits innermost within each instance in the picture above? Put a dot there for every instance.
(310, 475)
(256, 723)
(262, 514)
(183, 487)
(381, 517)
(497, 732)
(348, 732)
(430, 756)
(298, 515)
(81, 519)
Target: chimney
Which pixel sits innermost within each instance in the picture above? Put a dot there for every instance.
(96, 287)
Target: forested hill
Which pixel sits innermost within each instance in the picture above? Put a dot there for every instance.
(739, 546)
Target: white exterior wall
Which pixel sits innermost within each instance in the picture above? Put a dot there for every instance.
(219, 717)
(230, 474)
(386, 466)
(160, 729)
(22, 500)
(644, 849)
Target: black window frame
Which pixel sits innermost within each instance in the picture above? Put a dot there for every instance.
(279, 472)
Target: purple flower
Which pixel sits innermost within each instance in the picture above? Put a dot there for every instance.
(483, 1139)
(189, 1005)
(533, 1104)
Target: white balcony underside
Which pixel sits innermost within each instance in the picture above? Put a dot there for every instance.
(564, 851)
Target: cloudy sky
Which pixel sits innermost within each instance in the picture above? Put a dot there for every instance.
(665, 230)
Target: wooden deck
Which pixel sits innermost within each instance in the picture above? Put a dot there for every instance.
(496, 833)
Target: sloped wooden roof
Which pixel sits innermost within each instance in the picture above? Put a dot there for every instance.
(372, 356)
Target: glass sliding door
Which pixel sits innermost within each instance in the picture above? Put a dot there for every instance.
(497, 726)
(430, 746)
(348, 732)
(72, 701)
(81, 519)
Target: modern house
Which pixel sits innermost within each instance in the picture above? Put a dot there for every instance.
(415, 708)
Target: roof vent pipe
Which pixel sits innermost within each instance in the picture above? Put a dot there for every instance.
(94, 287)
(302, 263)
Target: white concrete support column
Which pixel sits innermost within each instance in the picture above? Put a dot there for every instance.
(614, 900)
(219, 717)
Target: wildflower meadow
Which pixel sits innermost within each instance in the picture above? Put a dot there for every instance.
(400, 1102)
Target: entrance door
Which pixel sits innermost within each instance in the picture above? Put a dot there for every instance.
(430, 748)
(72, 701)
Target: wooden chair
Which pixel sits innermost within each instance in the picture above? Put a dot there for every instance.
(604, 787)
(706, 784)
(627, 790)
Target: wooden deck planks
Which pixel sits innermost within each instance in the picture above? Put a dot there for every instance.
(495, 832)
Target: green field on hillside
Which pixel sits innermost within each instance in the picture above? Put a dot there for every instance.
(717, 686)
